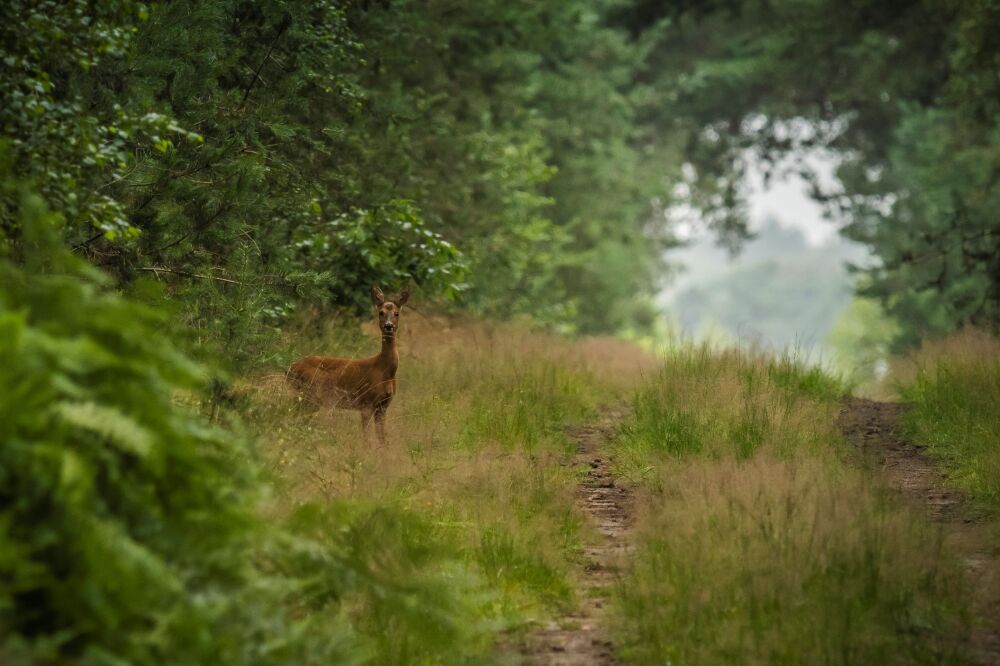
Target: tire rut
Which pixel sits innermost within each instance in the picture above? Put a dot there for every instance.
(875, 430)
(578, 638)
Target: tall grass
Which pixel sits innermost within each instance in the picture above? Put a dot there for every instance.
(726, 403)
(953, 386)
(468, 512)
(755, 543)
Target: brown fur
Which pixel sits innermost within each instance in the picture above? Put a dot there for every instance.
(364, 384)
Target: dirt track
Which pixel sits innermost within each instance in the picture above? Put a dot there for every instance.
(577, 638)
(874, 428)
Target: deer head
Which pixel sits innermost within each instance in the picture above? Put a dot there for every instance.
(388, 310)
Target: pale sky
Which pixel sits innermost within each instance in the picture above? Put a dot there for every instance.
(785, 199)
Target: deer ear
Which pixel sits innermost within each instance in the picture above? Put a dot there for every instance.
(378, 298)
(403, 297)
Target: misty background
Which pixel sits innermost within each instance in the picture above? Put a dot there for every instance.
(789, 288)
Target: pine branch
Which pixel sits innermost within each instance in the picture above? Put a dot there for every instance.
(156, 270)
(266, 281)
(286, 21)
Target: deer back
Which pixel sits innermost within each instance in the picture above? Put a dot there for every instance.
(341, 381)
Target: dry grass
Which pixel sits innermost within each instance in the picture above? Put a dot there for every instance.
(953, 386)
(967, 347)
(474, 452)
(756, 543)
(774, 561)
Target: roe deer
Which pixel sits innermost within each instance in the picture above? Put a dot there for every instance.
(365, 384)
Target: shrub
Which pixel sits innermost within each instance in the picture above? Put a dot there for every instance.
(127, 523)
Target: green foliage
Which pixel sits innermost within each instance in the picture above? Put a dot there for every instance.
(476, 130)
(126, 520)
(265, 211)
(391, 243)
(860, 340)
(73, 149)
(129, 528)
(405, 589)
(292, 153)
(896, 93)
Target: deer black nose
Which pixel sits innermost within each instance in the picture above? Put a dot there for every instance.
(388, 328)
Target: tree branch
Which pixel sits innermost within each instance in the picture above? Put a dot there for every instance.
(286, 21)
(156, 270)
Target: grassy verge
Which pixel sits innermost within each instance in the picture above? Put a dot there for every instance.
(755, 543)
(953, 386)
(463, 526)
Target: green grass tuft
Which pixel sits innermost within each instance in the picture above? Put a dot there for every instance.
(523, 407)
(956, 413)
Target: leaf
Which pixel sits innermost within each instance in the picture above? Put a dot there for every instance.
(282, 131)
(108, 422)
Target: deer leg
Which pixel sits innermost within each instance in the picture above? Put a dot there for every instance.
(367, 415)
(380, 422)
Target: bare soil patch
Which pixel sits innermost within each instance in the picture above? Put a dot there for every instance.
(578, 638)
(972, 533)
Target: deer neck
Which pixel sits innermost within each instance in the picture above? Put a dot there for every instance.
(388, 358)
